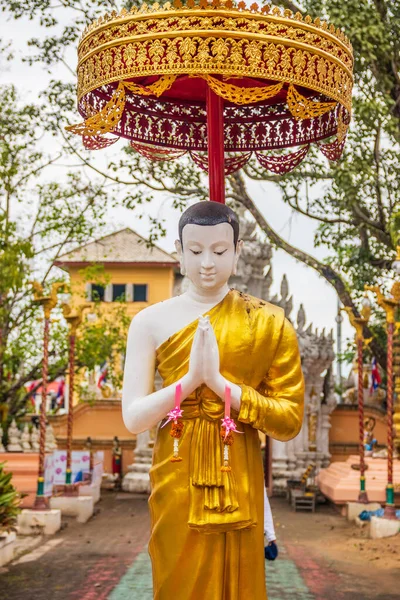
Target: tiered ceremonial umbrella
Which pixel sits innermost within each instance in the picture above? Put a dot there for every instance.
(217, 81)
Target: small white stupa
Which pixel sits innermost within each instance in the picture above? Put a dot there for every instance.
(26, 447)
(2, 449)
(34, 439)
(14, 438)
(50, 443)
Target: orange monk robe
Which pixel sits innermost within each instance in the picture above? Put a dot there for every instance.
(207, 526)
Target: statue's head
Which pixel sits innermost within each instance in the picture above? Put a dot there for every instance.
(208, 245)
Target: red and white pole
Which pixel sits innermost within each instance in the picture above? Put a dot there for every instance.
(70, 422)
(41, 501)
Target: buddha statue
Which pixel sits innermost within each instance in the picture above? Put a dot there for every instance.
(2, 449)
(14, 438)
(50, 440)
(207, 537)
(25, 437)
(369, 439)
(34, 439)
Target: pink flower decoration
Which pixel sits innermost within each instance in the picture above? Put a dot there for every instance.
(229, 425)
(173, 415)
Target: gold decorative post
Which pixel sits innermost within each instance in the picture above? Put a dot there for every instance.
(48, 302)
(359, 323)
(74, 319)
(312, 421)
(389, 305)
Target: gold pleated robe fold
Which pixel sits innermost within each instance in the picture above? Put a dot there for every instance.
(207, 539)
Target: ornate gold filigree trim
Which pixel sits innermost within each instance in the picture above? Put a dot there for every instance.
(274, 14)
(157, 88)
(200, 39)
(303, 108)
(108, 118)
(242, 95)
(300, 107)
(105, 120)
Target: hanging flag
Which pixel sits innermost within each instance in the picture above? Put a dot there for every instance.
(60, 392)
(376, 379)
(103, 375)
(31, 394)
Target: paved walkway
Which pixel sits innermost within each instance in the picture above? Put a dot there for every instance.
(106, 559)
(284, 581)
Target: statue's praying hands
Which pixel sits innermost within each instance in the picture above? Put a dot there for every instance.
(204, 363)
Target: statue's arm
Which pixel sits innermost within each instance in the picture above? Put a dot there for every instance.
(142, 407)
(276, 407)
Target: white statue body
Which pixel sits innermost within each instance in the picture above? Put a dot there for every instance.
(208, 256)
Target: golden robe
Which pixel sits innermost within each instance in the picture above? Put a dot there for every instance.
(207, 540)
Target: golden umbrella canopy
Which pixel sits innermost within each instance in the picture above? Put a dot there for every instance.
(285, 81)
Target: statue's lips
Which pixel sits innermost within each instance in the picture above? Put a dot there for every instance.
(207, 275)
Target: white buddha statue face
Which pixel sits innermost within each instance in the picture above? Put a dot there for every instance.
(208, 255)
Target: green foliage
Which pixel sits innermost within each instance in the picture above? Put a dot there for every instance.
(9, 502)
(357, 201)
(41, 218)
(105, 340)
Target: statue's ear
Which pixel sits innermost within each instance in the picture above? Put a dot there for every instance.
(179, 249)
(239, 247)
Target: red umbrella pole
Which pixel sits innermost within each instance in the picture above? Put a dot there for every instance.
(216, 158)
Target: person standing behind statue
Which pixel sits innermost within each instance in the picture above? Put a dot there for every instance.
(270, 545)
(117, 462)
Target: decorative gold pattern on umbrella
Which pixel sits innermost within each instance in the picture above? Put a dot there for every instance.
(286, 80)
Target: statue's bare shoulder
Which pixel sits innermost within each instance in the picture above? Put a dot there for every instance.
(152, 320)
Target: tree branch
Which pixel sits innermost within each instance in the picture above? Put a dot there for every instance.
(69, 233)
(298, 209)
(377, 231)
(88, 164)
(37, 170)
(377, 144)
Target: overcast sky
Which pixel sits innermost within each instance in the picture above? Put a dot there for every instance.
(317, 296)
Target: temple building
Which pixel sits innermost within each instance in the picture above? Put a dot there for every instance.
(135, 272)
